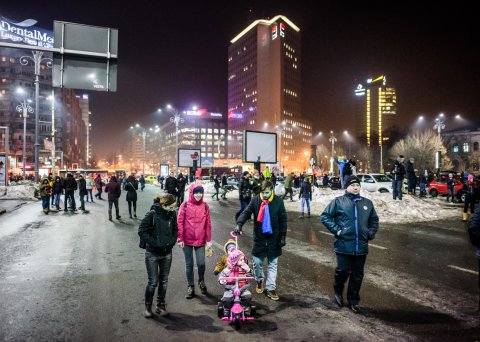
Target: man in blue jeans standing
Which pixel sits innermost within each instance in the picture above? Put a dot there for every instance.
(269, 235)
(398, 174)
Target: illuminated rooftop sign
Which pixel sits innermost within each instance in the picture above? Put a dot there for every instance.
(360, 91)
(265, 22)
(232, 115)
(24, 33)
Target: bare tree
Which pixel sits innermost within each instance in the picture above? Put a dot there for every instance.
(422, 146)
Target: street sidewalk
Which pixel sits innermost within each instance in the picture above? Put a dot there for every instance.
(9, 205)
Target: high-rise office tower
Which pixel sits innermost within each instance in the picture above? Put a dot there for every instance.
(264, 90)
(376, 111)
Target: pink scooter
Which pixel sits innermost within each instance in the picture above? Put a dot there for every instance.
(237, 312)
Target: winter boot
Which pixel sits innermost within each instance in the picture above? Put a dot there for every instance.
(161, 309)
(148, 311)
(203, 287)
(190, 292)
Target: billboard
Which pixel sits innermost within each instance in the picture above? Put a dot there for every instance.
(3, 170)
(259, 147)
(164, 170)
(207, 162)
(24, 33)
(186, 156)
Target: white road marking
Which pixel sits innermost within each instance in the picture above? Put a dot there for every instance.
(462, 269)
(370, 244)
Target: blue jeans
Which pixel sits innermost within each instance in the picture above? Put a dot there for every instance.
(45, 202)
(397, 188)
(158, 267)
(243, 205)
(57, 199)
(302, 203)
(271, 283)
(200, 256)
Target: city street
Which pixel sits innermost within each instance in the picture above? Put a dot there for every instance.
(79, 277)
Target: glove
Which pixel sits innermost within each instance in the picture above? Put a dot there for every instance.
(238, 229)
(181, 244)
(246, 268)
(282, 241)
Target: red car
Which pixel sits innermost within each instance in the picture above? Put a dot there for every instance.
(438, 186)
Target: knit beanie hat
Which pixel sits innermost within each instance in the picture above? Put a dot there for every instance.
(352, 180)
(198, 189)
(228, 244)
(234, 257)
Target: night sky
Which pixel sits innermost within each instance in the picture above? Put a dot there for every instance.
(176, 52)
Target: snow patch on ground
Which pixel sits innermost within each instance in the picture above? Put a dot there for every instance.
(23, 191)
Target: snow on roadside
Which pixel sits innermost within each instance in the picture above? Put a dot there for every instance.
(18, 191)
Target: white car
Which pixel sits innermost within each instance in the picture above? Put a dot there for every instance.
(375, 182)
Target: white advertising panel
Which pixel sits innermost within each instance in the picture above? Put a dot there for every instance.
(259, 146)
(186, 156)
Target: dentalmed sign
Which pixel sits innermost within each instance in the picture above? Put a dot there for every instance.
(24, 33)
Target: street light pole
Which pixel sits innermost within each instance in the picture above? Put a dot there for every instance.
(24, 108)
(144, 135)
(37, 60)
(439, 124)
(332, 139)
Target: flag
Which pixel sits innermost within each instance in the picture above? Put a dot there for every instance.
(48, 144)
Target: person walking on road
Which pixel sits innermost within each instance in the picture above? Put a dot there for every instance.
(451, 187)
(411, 177)
(244, 192)
(305, 196)
(224, 186)
(90, 184)
(57, 191)
(45, 191)
(142, 182)
(216, 181)
(70, 186)
(171, 185)
(288, 186)
(181, 183)
(114, 190)
(131, 186)
(269, 236)
(470, 188)
(82, 189)
(194, 233)
(99, 185)
(353, 221)
(159, 231)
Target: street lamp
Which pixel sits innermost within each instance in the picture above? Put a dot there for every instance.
(332, 139)
(439, 124)
(176, 119)
(24, 108)
(144, 135)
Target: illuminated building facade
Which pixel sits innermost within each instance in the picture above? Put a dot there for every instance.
(264, 90)
(376, 111)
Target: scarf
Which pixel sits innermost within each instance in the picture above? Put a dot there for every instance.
(264, 215)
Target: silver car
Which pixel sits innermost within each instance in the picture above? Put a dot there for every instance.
(375, 182)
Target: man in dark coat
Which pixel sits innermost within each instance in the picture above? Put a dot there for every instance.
(114, 190)
(70, 186)
(353, 221)
(82, 189)
(269, 235)
(411, 177)
(181, 183)
(131, 185)
(244, 192)
(171, 185)
(398, 174)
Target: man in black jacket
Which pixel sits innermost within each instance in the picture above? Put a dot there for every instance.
(398, 174)
(114, 190)
(244, 192)
(269, 234)
(353, 221)
(158, 231)
(171, 185)
(70, 186)
(181, 183)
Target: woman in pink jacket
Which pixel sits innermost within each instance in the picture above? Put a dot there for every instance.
(194, 232)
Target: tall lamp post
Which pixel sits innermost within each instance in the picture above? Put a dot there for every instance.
(176, 119)
(332, 139)
(24, 108)
(37, 60)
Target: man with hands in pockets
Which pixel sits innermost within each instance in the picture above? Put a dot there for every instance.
(353, 221)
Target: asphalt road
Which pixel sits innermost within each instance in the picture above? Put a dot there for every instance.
(79, 277)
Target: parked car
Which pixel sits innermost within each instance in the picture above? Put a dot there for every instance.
(233, 181)
(375, 182)
(438, 186)
(150, 179)
(334, 183)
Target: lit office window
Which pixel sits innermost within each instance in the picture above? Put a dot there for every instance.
(465, 147)
(455, 148)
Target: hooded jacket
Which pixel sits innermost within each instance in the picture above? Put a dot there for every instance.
(194, 225)
(114, 189)
(159, 229)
